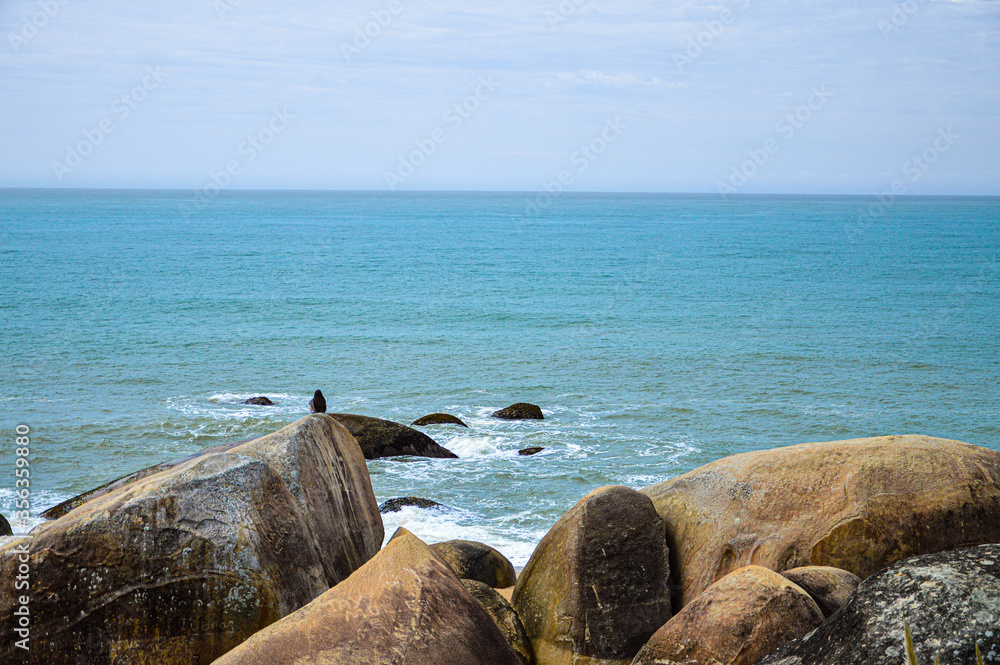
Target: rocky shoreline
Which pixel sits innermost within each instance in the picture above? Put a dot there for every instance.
(270, 551)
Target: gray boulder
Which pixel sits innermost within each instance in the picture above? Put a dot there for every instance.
(950, 600)
(383, 438)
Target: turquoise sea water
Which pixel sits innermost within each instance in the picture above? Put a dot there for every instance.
(657, 333)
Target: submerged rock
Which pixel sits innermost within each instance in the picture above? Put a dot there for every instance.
(504, 617)
(438, 419)
(598, 585)
(736, 621)
(857, 505)
(404, 607)
(383, 438)
(259, 401)
(519, 411)
(475, 561)
(178, 567)
(533, 450)
(829, 587)
(950, 600)
(395, 505)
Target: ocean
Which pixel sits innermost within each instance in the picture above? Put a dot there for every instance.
(656, 332)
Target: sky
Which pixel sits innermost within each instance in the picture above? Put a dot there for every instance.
(730, 96)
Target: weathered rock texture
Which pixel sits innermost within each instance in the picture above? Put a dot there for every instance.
(598, 585)
(504, 617)
(323, 468)
(475, 561)
(384, 438)
(405, 606)
(395, 505)
(438, 419)
(178, 567)
(858, 505)
(829, 587)
(519, 411)
(951, 601)
(736, 621)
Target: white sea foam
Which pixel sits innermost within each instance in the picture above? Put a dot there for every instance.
(436, 525)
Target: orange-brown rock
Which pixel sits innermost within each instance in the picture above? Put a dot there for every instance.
(736, 621)
(178, 567)
(475, 561)
(504, 617)
(598, 584)
(404, 607)
(859, 505)
(829, 587)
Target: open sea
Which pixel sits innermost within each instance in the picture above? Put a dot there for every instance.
(657, 333)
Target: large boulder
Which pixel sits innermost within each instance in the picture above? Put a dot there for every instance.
(383, 438)
(438, 419)
(325, 471)
(829, 587)
(858, 505)
(519, 411)
(504, 617)
(178, 567)
(405, 606)
(950, 600)
(736, 621)
(475, 561)
(598, 584)
(57, 511)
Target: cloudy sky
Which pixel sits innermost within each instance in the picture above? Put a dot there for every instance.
(631, 95)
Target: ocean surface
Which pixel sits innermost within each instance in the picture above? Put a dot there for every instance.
(656, 332)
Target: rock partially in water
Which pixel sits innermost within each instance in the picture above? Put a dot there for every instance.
(950, 600)
(438, 419)
(533, 450)
(504, 617)
(475, 561)
(736, 621)
(519, 411)
(178, 567)
(383, 438)
(829, 587)
(598, 585)
(403, 606)
(259, 401)
(395, 505)
(857, 505)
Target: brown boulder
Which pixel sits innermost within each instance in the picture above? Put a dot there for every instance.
(405, 606)
(178, 567)
(519, 411)
(325, 471)
(476, 561)
(736, 621)
(504, 617)
(258, 401)
(438, 419)
(383, 438)
(858, 505)
(597, 586)
(829, 587)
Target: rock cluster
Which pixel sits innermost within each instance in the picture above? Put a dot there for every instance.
(267, 551)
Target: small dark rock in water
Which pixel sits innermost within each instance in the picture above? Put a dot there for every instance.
(534, 450)
(5, 529)
(259, 401)
(383, 438)
(438, 419)
(395, 505)
(519, 411)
